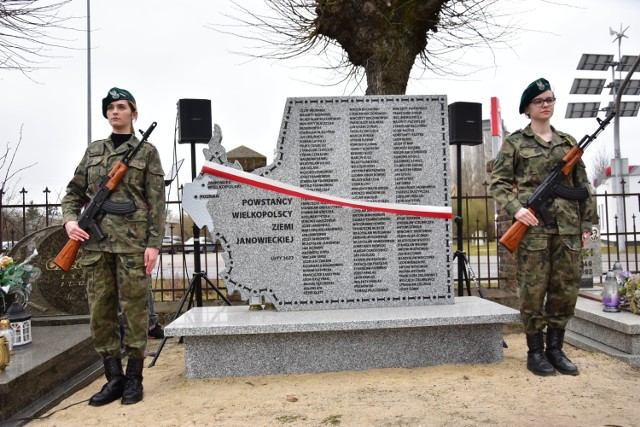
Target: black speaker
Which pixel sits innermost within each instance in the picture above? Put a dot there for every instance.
(194, 116)
(465, 123)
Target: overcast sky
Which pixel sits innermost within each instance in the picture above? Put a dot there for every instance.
(163, 51)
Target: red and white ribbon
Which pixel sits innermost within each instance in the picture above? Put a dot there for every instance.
(247, 178)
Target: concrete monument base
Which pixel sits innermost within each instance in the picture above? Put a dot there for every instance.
(233, 341)
(615, 334)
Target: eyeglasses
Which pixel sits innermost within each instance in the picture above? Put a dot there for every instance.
(539, 102)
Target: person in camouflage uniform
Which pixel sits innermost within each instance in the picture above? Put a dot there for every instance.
(116, 269)
(548, 268)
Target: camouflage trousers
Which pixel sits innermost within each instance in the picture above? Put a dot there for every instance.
(117, 283)
(548, 272)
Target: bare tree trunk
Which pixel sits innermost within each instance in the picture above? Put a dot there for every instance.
(384, 37)
(387, 80)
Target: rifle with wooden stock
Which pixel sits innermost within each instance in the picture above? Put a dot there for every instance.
(100, 203)
(551, 187)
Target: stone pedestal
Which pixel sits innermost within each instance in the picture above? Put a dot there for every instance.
(233, 341)
(60, 361)
(616, 334)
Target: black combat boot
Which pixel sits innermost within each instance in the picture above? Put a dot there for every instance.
(536, 360)
(112, 390)
(133, 387)
(555, 339)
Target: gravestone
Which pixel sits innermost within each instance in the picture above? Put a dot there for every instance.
(591, 259)
(354, 211)
(54, 292)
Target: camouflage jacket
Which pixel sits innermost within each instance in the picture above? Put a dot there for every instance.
(143, 184)
(524, 161)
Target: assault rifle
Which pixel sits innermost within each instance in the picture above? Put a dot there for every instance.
(537, 202)
(100, 203)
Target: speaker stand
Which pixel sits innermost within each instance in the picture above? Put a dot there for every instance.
(195, 286)
(464, 267)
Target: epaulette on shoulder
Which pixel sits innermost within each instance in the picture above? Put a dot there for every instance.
(96, 147)
(516, 134)
(98, 142)
(566, 137)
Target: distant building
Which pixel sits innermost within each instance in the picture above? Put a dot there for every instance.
(607, 208)
(474, 162)
(248, 158)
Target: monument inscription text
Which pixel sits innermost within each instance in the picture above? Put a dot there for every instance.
(327, 248)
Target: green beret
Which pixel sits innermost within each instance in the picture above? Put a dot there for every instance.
(116, 94)
(533, 90)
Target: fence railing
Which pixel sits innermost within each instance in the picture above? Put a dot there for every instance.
(175, 273)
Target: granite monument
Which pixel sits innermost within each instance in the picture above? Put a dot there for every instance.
(354, 211)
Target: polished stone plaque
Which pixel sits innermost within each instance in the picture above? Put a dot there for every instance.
(353, 212)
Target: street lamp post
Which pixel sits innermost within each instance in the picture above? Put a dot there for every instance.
(88, 72)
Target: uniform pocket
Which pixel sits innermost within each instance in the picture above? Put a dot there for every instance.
(574, 243)
(534, 162)
(93, 274)
(140, 214)
(88, 258)
(534, 244)
(135, 173)
(96, 168)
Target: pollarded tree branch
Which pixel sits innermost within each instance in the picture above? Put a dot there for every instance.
(381, 39)
(25, 32)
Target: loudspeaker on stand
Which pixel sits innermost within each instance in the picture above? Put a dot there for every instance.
(465, 123)
(194, 117)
